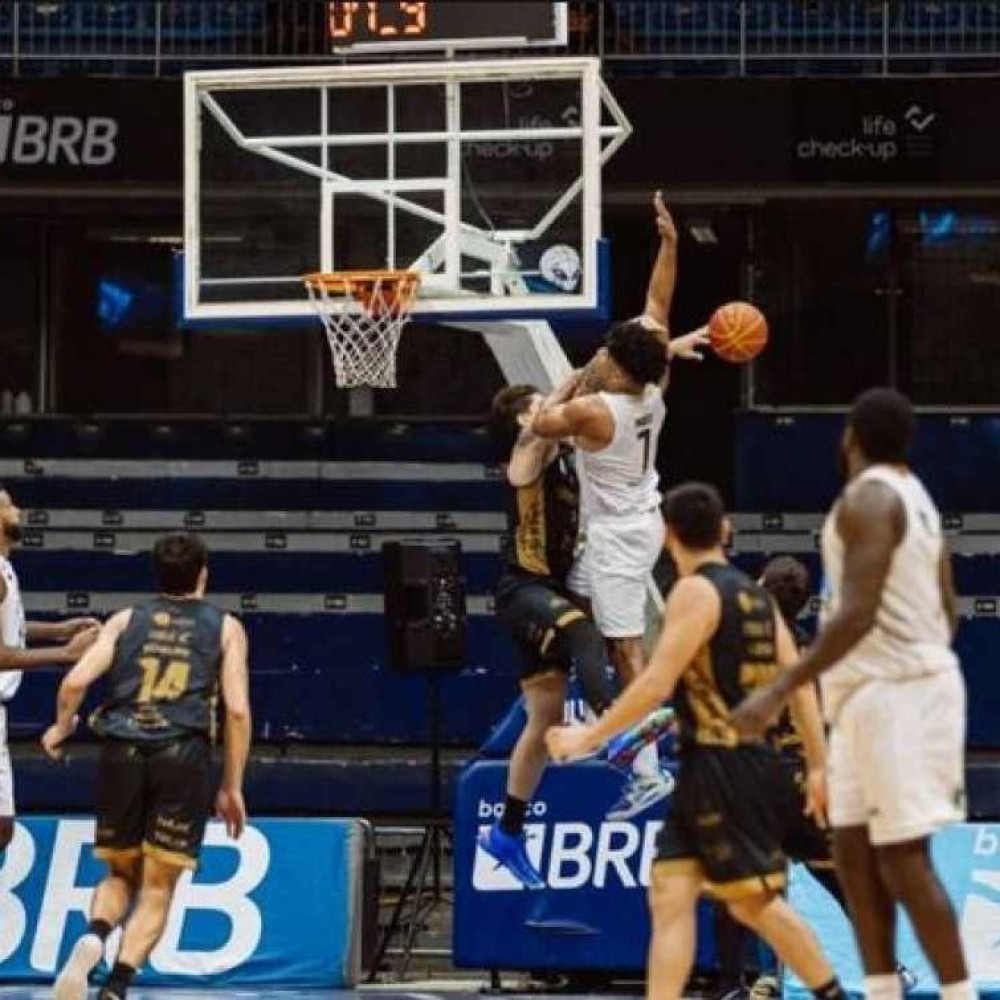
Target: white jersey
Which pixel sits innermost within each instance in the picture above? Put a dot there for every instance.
(13, 630)
(911, 637)
(621, 479)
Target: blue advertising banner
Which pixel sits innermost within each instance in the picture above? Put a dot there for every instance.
(968, 859)
(278, 906)
(593, 913)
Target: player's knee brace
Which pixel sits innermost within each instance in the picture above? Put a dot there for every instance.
(581, 646)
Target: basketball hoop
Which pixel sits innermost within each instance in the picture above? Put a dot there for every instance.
(363, 313)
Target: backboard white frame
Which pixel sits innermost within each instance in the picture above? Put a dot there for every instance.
(598, 143)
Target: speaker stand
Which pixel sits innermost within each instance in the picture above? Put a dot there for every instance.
(422, 891)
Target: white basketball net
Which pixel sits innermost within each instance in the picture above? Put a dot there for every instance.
(363, 314)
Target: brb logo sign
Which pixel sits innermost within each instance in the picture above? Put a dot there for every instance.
(57, 140)
(572, 855)
(38, 926)
(276, 907)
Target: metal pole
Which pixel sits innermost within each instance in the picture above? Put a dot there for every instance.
(885, 38)
(43, 288)
(16, 50)
(743, 38)
(158, 38)
(749, 386)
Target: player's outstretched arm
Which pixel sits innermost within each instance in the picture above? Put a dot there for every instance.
(58, 631)
(529, 458)
(229, 804)
(690, 618)
(96, 662)
(48, 656)
(871, 523)
(532, 453)
(663, 279)
(585, 417)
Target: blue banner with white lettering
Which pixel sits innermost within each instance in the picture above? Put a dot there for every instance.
(967, 858)
(278, 906)
(593, 914)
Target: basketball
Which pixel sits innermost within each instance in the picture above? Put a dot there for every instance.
(737, 332)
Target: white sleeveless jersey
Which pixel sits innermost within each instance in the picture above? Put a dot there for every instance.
(13, 630)
(912, 636)
(621, 479)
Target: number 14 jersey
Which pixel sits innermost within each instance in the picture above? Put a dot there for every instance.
(164, 681)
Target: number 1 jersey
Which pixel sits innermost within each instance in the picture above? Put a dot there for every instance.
(621, 479)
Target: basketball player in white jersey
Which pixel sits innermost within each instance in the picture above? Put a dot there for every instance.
(615, 420)
(894, 697)
(78, 634)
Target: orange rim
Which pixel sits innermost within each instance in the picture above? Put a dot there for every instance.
(396, 289)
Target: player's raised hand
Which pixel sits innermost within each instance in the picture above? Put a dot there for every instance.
(664, 220)
(689, 346)
(566, 743)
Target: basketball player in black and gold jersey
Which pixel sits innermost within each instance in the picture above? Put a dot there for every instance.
(552, 633)
(166, 661)
(722, 638)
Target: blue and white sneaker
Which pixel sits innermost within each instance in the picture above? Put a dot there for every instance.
(623, 749)
(640, 793)
(511, 852)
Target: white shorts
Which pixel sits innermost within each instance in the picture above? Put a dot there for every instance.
(897, 758)
(613, 571)
(6, 771)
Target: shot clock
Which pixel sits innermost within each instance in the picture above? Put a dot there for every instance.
(386, 27)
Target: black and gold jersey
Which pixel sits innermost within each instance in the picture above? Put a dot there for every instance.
(164, 680)
(740, 657)
(545, 519)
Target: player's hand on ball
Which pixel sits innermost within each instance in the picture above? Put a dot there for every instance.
(689, 346)
(664, 220)
(55, 736)
(817, 797)
(755, 714)
(568, 742)
(232, 810)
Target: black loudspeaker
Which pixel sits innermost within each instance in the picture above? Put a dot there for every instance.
(424, 604)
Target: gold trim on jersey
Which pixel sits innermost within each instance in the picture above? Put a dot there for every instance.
(529, 535)
(117, 853)
(173, 858)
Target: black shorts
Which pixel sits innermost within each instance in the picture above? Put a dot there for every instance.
(726, 820)
(534, 609)
(803, 839)
(154, 799)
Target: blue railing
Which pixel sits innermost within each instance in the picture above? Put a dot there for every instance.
(663, 36)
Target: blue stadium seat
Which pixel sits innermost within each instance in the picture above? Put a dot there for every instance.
(325, 679)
